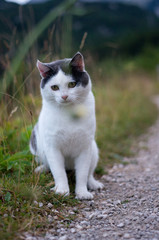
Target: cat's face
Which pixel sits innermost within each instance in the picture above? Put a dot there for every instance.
(65, 81)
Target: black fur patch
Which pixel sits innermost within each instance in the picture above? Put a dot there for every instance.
(52, 72)
(33, 141)
(79, 77)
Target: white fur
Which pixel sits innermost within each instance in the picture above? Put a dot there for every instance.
(65, 142)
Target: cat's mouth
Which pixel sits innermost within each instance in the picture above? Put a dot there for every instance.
(66, 102)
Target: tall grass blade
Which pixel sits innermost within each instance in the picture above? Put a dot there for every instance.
(31, 38)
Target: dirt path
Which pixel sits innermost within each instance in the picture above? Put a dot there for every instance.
(128, 207)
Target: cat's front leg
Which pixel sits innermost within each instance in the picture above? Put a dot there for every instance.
(56, 163)
(82, 169)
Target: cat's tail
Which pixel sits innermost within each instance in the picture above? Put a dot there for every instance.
(33, 141)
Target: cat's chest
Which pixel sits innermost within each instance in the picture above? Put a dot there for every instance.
(66, 123)
(65, 133)
(72, 141)
(68, 134)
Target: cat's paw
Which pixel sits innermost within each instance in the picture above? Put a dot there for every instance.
(94, 184)
(84, 195)
(61, 190)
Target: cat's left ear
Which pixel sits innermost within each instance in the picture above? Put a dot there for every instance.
(77, 62)
(43, 69)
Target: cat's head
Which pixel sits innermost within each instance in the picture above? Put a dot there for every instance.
(65, 81)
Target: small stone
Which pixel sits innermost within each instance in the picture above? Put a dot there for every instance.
(78, 227)
(75, 209)
(5, 215)
(153, 215)
(87, 209)
(84, 223)
(63, 238)
(41, 204)
(35, 202)
(126, 235)
(50, 218)
(92, 215)
(100, 216)
(117, 202)
(50, 205)
(73, 230)
(72, 213)
(105, 235)
(105, 216)
(54, 210)
(105, 177)
(121, 225)
(156, 210)
(127, 222)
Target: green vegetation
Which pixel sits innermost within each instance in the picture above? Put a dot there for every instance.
(124, 111)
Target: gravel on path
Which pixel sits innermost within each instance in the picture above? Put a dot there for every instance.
(128, 207)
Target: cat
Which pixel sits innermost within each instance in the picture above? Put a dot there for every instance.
(63, 139)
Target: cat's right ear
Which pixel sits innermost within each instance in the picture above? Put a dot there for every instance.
(77, 62)
(43, 69)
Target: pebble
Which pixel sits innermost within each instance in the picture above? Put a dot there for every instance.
(78, 227)
(126, 235)
(117, 202)
(63, 238)
(92, 215)
(105, 235)
(41, 204)
(49, 205)
(35, 202)
(50, 218)
(85, 223)
(73, 230)
(121, 225)
(156, 210)
(100, 216)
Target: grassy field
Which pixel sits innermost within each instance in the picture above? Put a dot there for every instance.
(124, 111)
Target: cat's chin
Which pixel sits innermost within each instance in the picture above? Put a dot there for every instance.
(66, 103)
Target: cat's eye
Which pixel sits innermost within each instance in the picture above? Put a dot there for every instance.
(72, 84)
(54, 87)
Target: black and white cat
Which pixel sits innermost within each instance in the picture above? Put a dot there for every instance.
(59, 141)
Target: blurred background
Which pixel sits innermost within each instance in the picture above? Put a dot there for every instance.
(115, 30)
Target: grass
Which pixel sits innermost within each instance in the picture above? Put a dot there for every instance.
(31, 38)
(25, 205)
(124, 111)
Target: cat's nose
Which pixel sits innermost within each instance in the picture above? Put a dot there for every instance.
(65, 97)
